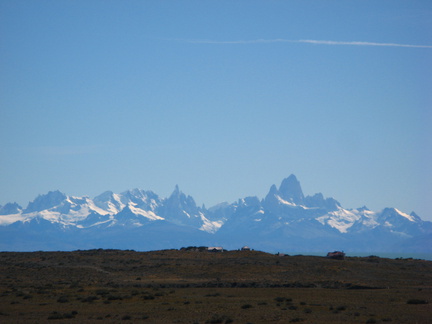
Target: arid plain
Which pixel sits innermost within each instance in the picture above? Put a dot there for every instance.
(173, 286)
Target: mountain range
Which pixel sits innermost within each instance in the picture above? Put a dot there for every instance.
(285, 220)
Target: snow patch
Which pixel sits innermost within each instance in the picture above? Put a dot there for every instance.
(10, 219)
(184, 212)
(284, 202)
(51, 216)
(147, 214)
(96, 209)
(387, 224)
(341, 219)
(407, 216)
(208, 225)
(290, 204)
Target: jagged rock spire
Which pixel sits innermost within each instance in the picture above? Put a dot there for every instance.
(290, 190)
(42, 202)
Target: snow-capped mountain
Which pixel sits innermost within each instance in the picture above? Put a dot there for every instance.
(285, 220)
(133, 208)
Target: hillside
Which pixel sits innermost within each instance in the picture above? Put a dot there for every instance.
(203, 287)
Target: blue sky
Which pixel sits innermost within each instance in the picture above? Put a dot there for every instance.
(223, 98)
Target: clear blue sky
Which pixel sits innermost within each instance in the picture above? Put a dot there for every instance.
(219, 97)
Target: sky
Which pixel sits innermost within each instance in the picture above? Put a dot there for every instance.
(223, 98)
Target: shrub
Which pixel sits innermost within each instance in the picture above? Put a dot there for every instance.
(62, 299)
(417, 301)
(148, 297)
(219, 319)
(55, 315)
(282, 299)
(246, 306)
(74, 285)
(89, 299)
(213, 295)
(114, 297)
(102, 292)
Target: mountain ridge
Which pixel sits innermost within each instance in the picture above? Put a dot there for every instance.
(285, 219)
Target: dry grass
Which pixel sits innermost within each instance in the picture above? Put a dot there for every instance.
(200, 287)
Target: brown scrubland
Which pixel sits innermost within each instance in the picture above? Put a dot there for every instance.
(172, 286)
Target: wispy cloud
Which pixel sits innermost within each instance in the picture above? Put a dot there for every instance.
(308, 41)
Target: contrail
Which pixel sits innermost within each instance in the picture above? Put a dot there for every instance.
(308, 41)
(325, 42)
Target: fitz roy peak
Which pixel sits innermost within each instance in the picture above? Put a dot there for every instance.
(285, 220)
